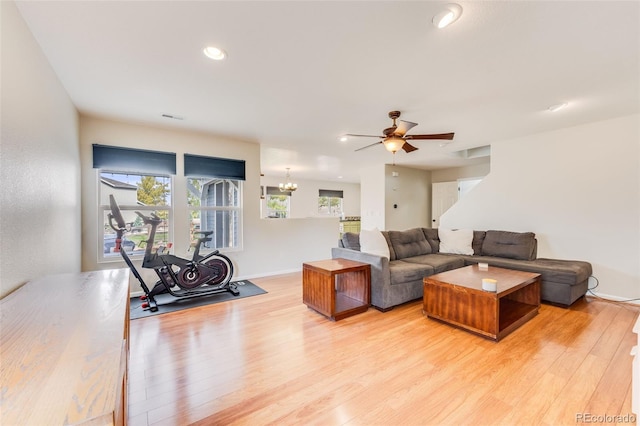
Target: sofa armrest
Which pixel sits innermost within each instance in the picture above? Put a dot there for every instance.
(380, 275)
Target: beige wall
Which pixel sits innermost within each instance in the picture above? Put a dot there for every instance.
(269, 246)
(410, 191)
(39, 165)
(578, 189)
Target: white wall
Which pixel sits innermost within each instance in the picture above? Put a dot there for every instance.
(372, 197)
(39, 165)
(578, 189)
(410, 191)
(477, 170)
(269, 246)
(304, 201)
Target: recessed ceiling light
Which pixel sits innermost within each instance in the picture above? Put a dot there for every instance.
(558, 107)
(344, 139)
(447, 16)
(215, 53)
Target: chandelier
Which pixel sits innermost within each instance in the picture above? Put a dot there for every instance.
(288, 187)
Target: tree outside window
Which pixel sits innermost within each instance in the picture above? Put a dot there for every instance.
(277, 203)
(278, 206)
(134, 191)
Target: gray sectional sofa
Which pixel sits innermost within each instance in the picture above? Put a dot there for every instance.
(415, 254)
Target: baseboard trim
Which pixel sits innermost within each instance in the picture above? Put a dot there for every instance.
(613, 298)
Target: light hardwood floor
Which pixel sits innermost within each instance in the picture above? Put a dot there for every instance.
(269, 359)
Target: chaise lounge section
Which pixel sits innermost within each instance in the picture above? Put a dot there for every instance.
(416, 253)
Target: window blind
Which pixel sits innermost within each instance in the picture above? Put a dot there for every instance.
(274, 190)
(133, 160)
(330, 193)
(213, 167)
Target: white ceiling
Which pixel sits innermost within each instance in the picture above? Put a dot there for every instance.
(299, 74)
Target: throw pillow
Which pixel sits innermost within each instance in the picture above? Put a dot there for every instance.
(456, 241)
(372, 241)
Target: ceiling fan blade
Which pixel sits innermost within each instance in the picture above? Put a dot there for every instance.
(447, 136)
(365, 136)
(368, 146)
(404, 127)
(408, 147)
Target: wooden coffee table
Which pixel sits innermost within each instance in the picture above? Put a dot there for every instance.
(457, 298)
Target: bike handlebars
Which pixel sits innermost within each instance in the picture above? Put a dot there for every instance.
(153, 220)
(204, 233)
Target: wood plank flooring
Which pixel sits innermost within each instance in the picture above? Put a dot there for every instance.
(269, 359)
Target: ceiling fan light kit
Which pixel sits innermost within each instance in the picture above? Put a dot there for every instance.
(393, 144)
(447, 16)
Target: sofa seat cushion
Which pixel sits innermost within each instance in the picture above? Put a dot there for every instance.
(411, 242)
(563, 271)
(570, 272)
(512, 245)
(440, 262)
(404, 272)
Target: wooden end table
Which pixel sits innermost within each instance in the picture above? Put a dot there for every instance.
(336, 288)
(457, 298)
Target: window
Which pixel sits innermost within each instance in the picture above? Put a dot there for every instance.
(330, 202)
(140, 180)
(214, 205)
(214, 200)
(278, 203)
(133, 191)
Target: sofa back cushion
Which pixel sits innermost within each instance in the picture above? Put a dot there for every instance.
(512, 245)
(432, 237)
(478, 239)
(351, 240)
(411, 242)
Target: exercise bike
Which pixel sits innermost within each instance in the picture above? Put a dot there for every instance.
(182, 278)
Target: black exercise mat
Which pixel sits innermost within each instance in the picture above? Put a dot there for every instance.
(168, 303)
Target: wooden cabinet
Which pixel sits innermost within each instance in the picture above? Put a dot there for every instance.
(337, 288)
(65, 346)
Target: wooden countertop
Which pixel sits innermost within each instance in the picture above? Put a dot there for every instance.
(63, 349)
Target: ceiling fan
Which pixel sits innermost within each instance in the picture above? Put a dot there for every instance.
(395, 137)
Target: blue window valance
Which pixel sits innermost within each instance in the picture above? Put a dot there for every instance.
(213, 167)
(133, 160)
